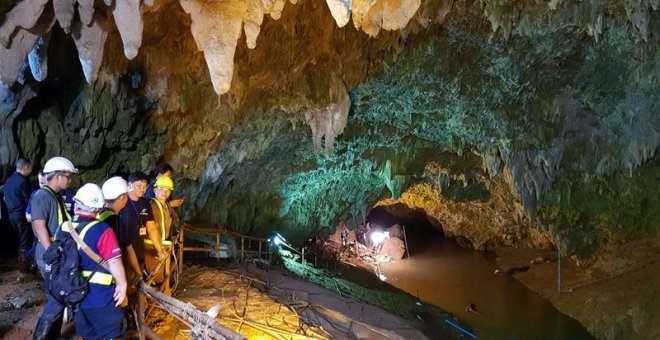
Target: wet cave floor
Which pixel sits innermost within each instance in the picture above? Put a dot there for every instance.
(274, 303)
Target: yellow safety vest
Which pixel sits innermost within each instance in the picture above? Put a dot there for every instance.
(105, 214)
(100, 278)
(164, 240)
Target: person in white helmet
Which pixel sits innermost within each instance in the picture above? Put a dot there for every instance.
(99, 315)
(115, 192)
(48, 213)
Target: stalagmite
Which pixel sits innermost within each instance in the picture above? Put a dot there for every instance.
(128, 19)
(89, 41)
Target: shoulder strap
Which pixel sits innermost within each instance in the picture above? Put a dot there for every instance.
(61, 209)
(94, 256)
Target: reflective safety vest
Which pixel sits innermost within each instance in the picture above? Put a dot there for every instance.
(100, 278)
(61, 209)
(105, 214)
(164, 241)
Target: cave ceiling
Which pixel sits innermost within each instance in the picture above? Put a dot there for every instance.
(508, 122)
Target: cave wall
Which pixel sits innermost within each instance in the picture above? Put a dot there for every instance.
(509, 124)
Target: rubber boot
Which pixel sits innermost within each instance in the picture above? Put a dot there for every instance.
(23, 264)
(42, 330)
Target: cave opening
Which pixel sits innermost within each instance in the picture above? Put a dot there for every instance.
(420, 229)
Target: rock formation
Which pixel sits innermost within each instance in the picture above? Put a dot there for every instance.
(507, 123)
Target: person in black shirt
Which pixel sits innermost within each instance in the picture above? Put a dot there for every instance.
(138, 216)
(17, 194)
(115, 193)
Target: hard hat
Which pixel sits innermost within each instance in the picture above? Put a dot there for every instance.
(164, 182)
(59, 164)
(90, 195)
(114, 187)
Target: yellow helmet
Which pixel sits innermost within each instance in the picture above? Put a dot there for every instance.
(164, 182)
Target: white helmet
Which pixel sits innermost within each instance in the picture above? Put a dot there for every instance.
(114, 187)
(59, 164)
(90, 195)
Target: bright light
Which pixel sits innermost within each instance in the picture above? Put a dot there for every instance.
(382, 277)
(378, 237)
(278, 239)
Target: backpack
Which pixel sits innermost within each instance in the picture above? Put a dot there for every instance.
(65, 282)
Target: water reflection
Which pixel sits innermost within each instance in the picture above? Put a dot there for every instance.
(451, 277)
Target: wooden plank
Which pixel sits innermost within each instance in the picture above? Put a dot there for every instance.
(189, 314)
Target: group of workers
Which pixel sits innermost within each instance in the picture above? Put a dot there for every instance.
(130, 227)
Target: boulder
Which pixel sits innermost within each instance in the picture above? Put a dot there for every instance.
(394, 248)
(395, 231)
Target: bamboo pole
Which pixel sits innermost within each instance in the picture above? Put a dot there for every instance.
(202, 324)
(405, 239)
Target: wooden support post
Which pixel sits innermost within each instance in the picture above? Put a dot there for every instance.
(242, 248)
(558, 267)
(217, 246)
(180, 253)
(405, 240)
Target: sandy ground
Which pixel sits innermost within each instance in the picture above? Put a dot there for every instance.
(271, 304)
(616, 295)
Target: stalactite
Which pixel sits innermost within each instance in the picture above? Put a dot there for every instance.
(64, 11)
(38, 58)
(24, 15)
(128, 18)
(340, 10)
(90, 41)
(13, 58)
(86, 11)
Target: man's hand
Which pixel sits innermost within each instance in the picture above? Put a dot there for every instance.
(176, 203)
(120, 294)
(161, 255)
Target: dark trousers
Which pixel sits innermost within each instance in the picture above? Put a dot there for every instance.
(23, 230)
(49, 325)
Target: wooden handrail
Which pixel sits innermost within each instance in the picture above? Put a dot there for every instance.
(223, 231)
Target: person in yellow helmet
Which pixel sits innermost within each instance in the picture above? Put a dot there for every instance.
(165, 218)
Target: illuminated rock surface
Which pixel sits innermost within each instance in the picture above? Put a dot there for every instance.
(509, 124)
